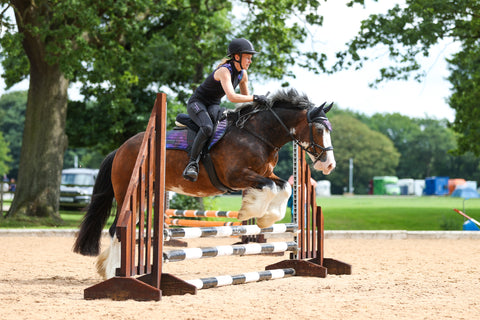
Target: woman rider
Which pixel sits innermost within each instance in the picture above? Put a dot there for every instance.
(204, 104)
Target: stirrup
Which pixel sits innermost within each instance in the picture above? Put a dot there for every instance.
(191, 171)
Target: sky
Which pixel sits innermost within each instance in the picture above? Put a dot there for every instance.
(349, 89)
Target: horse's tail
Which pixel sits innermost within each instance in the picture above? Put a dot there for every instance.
(98, 211)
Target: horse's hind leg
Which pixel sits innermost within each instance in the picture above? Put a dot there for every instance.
(109, 260)
(277, 207)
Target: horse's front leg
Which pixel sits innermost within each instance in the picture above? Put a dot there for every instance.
(267, 202)
(278, 206)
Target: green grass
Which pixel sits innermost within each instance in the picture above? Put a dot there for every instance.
(340, 213)
(70, 220)
(385, 213)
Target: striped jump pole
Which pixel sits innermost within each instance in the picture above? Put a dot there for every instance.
(234, 250)
(219, 281)
(199, 213)
(200, 223)
(217, 232)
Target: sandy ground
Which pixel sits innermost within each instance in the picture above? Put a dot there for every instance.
(40, 278)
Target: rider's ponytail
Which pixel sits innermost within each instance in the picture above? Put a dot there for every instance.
(224, 60)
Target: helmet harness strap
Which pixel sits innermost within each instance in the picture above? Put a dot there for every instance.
(240, 60)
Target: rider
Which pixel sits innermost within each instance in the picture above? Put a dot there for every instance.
(204, 104)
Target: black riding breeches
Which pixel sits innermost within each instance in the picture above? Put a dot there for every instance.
(204, 116)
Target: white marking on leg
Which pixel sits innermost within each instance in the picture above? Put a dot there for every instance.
(255, 202)
(110, 259)
(277, 207)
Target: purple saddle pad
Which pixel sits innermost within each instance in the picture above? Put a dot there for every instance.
(177, 139)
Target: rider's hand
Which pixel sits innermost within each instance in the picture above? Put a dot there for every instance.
(260, 99)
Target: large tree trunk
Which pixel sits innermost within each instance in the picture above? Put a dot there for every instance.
(44, 139)
(43, 146)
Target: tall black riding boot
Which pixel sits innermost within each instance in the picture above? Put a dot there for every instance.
(191, 170)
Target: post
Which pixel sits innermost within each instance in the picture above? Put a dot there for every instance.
(350, 176)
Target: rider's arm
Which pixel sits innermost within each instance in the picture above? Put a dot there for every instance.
(244, 84)
(223, 75)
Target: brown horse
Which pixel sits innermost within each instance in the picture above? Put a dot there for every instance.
(244, 159)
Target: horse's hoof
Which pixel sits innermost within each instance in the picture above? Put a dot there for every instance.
(266, 221)
(241, 216)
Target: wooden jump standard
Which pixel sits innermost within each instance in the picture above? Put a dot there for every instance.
(140, 275)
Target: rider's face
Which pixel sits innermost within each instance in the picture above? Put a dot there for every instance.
(246, 60)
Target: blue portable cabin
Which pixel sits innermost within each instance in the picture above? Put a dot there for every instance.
(436, 186)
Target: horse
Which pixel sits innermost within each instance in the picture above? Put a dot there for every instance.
(244, 159)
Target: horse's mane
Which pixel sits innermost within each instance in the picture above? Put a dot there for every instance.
(281, 99)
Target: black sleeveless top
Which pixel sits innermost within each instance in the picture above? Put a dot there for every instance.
(210, 92)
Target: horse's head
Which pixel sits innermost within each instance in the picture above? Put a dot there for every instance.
(289, 109)
(319, 145)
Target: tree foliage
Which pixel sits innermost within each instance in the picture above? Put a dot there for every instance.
(372, 152)
(406, 33)
(12, 117)
(182, 46)
(5, 157)
(122, 52)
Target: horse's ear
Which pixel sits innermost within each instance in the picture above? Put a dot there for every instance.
(328, 108)
(314, 113)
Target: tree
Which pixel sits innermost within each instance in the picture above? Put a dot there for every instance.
(372, 152)
(465, 78)
(407, 33)
(12, 118)
(4, 157)
(424, 145)
(122, 52)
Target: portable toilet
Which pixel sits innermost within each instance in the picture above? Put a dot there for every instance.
(454, 183)
(406, 186)
(323, 188)
(437, 186)
(383, 185)
(418, 187)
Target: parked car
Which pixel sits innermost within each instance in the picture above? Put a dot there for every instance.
(77, 186)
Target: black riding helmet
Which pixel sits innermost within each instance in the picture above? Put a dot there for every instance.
(240, 46)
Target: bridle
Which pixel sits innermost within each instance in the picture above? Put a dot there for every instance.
(314, 116)
(316, 150)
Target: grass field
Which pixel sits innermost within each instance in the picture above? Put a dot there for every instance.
(386, 213)
(340, 213)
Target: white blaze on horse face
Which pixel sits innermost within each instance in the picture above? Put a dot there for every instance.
(329, 164)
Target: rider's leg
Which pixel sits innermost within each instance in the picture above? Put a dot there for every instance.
(199, 114)
(191, 170)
